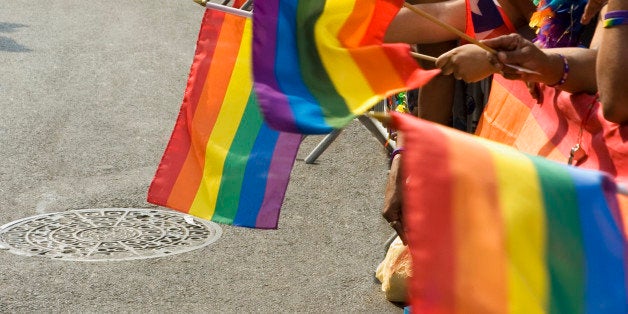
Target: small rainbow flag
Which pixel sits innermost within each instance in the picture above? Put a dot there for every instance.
(319, 64)
(493, 230)
(223, 162)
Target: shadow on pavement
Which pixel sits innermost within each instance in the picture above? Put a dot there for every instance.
(8, 44)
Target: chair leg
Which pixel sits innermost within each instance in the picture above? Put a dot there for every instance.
(322, 146)
(378, 131)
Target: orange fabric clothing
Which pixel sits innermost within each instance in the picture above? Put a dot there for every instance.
(552, 128)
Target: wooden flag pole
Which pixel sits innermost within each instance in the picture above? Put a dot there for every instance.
(422, 56)
(225, 8)
(448, 27)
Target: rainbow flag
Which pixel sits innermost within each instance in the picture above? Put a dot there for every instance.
(319, 64)
(223, 162)
(493, 230)
(552, 127)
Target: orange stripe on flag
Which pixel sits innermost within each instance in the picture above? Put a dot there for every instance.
(210, 102)
(354, 29)
(490, 267)
(373, 72)
(377, 26)
(353, 35)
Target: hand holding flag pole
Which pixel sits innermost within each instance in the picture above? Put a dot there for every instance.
(461, 35)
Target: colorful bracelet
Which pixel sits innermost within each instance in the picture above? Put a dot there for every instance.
(396, 152)
(615, 18)
(563, 79)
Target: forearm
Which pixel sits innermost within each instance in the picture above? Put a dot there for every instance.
(612, 65)
(577, 75)
(581, 63)
(582, 66)
(411, 28)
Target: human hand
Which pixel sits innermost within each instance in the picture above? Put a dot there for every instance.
(514, 49)
(535, 91)
(393, 198)
(468, 62)
(591, 9)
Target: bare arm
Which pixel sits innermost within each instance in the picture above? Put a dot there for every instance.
(408, 27)
(582, 67)
(612, 66)
(514, 49)
(472, 63)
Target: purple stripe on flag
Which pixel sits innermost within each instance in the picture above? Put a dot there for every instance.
(278, 177)
(264, 67)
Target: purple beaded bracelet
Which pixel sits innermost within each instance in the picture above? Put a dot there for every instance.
(563, 79)
(396, 152)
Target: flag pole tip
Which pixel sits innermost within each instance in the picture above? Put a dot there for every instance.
(201, 2)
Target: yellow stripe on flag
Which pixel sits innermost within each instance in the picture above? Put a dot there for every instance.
(524, 221)
(343, 71)
(225, 129)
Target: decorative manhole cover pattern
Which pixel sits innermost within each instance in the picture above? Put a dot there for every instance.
(107, 234)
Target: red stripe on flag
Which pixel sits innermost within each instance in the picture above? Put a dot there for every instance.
(429, 220)
(238, 3)
(179, 145)
(208, 107)
(385, 11)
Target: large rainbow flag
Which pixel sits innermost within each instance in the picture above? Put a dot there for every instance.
(319, 64)
(493, 230)
(223, 162)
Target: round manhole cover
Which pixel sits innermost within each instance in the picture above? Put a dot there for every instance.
(107, 234)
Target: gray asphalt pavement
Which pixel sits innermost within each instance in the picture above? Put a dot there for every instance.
(89, 92)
